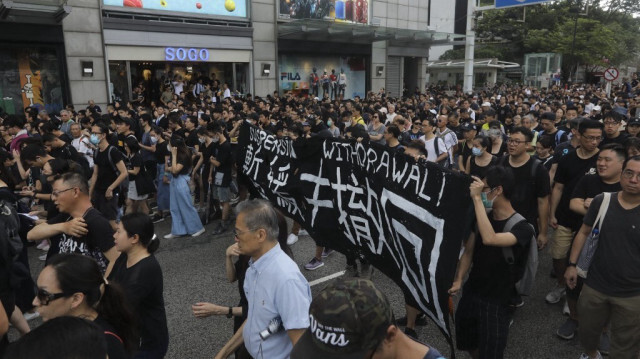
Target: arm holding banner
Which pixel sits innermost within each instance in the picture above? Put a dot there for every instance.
(464, 264)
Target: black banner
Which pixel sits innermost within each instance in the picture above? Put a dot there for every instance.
(407, 218)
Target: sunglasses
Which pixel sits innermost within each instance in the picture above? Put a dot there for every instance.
(45, 297)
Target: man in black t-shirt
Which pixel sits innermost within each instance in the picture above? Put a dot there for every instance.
(79, 228)
(110, 168)
(482, 316)
(220, 174)
(612, 122)
(571, 168)
(611, 292)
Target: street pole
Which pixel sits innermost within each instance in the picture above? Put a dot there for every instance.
(469, 48)
(573, 43)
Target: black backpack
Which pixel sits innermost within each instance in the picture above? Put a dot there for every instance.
(73, 154)
(10, 242)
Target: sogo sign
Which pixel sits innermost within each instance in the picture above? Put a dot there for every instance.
(182, 54)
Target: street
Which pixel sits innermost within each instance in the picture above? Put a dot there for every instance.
(193, 271)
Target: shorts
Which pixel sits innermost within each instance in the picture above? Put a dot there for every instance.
(482, 324)
(222, 194)
(133, 192)
(108, 207)
(561, 243)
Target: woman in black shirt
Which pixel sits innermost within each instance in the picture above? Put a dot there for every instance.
(480, 160)
(163, 178)
(73, 285)
(137, 270)
(136, 202)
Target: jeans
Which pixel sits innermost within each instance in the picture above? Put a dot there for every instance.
(163, 190)
(184, 217)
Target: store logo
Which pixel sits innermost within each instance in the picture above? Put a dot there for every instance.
(289, 76)
(182, 54)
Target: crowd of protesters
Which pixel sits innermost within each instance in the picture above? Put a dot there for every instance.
(95, 180)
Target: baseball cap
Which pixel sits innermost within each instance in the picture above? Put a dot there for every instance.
(634, 121)
(468, 126)
(348, 319)
(486, 104)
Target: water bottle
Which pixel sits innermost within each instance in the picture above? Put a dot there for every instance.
(274, 326)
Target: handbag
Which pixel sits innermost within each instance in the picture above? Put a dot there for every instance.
(144, 182)
(591, 243)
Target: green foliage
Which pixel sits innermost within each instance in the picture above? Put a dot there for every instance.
(607, 31)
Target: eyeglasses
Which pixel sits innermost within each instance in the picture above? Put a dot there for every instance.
(45, 297)
(57, 193)
(512, 141)
(237, 233)
(593, 138)
(629, 174)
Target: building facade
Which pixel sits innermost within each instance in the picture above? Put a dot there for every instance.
(59, 52)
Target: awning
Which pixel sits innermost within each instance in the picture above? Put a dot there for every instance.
(34, 11)
(324, 30)
(477, 64)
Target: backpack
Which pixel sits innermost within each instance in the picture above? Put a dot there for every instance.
(524, 276)
(75, 156)
(445, 163)
(123, 187)
(10, 242)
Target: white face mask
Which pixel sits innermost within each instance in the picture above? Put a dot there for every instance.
(215, 139)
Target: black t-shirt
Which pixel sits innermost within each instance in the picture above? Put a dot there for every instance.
(223, 155)
(478, 171)
(571, 169)
(615, 269)
(207, 151)
(491, 276)
(562, 150)
(546, 162)
(106, 173)
(134, 161)
(99, 238)
(143, 286)
(161, 152)
(66, 152)
(622, 137)
(465, 151)
(115, 348)
(192, 140)
(503, 112)
(590, 186)
(528, 189)
(457, 130)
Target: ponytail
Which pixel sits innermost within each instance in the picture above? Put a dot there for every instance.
(114, 308)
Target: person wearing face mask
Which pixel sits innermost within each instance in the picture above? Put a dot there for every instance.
(161, 155)
(220, 174)
(498, 144)
(480, 160)
(488, 288)
(203, 166)
(148, 145)
(335, 131)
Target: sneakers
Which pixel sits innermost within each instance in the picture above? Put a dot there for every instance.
(222, 227)
(314, 264)
(585, 356)
(30, 316)
(43, 257)
(171, 235)
(421, 320)
(351, 271)
(605, 343)
(555, 295)
(292, 239)
(325, 252)
(568, 329)
(516, 301)
(198, 233)
(565, 309)
(410, 332)
(157, 218)
(303, 232)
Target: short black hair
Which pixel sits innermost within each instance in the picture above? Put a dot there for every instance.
(528, 135)
(14, 121)
(590, 124)
(633, 158)
(394, 131)
(617, 148)
(548, 116)
(500, 176)
(32, 151)
(418, 145)
(547, 141)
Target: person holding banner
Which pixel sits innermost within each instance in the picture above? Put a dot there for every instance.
(489, 287)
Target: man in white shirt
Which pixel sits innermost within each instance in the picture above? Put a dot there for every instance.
(81, 143)
(448, 136)
(227, 92)
(430, 144)
(391, 114)
(178, 85)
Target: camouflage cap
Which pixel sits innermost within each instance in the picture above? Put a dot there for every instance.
(348, 319)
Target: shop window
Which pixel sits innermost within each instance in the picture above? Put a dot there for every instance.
(31, 77)
(119, 85)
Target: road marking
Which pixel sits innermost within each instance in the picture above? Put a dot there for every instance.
(327, 278)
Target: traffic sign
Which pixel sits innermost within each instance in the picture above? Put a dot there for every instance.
(511, 3)
(611, 74)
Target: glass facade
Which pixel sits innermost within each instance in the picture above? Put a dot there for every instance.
(31, 76)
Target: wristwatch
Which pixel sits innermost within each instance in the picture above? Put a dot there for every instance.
(571, 264)
(230, 314)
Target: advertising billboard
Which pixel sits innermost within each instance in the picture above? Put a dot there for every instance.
(305, 75)
(235, 8)
(349, 11)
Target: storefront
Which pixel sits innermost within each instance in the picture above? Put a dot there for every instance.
(32, 67)
(153, 44)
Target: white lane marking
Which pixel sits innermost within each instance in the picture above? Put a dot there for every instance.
(327, 278)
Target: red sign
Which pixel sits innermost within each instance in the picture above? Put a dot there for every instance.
(611, 74)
